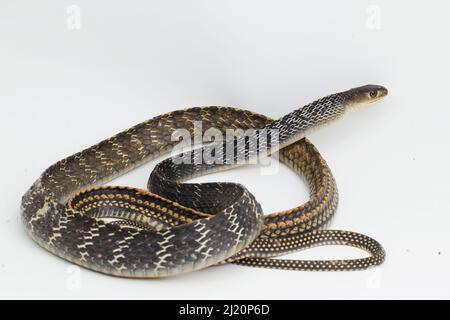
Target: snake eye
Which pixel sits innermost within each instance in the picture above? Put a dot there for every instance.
(373, 93)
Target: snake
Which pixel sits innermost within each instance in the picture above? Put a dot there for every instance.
(174, 226)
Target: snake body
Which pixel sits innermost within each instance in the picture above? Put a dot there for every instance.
(178, 227)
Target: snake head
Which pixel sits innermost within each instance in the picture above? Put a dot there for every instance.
(363, 95)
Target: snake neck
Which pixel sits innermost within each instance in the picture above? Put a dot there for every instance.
(295, 125)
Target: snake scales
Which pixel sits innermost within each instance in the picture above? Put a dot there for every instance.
(177, 227)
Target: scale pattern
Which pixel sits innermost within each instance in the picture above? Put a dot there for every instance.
(178, 227)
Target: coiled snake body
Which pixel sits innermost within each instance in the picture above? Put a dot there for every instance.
(177, 227)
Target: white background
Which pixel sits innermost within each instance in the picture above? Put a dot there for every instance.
(62, 90)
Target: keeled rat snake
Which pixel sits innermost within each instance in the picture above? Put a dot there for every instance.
(178, 227)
